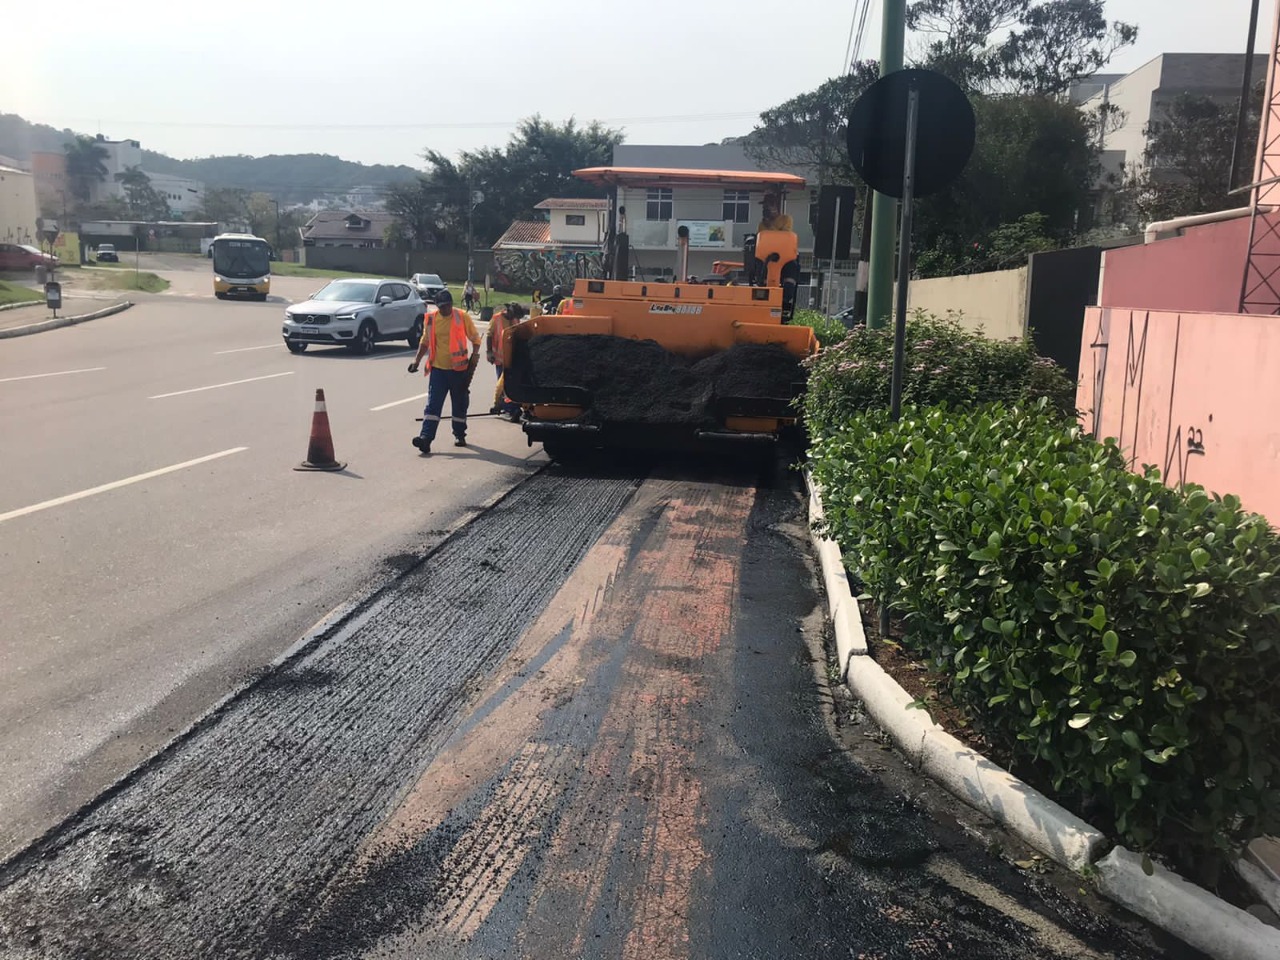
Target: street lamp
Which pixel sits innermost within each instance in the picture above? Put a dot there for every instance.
(276, 203)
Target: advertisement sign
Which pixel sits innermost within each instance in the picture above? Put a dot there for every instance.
(705, 233)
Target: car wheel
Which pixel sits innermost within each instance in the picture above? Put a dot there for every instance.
(260, 297)
(295, 347)
(366, 339)
(415, 333)
(221, 296)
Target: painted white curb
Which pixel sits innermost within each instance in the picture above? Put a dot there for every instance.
(51, 324)
(1056, 832)
(851, 640)
(890, 707)
(1189, 912)
(21, 304)
(1259, 881)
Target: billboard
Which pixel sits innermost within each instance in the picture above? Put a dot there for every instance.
(705, 233)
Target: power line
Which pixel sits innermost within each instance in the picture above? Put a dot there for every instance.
(672, 118)
(862, 30)
(848, 44)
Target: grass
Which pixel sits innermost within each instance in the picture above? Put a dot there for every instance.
(16, 293)
(282, 269)
(127, 279)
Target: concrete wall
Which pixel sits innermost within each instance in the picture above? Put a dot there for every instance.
(1200, 270)
(994, 302)
(449, 264)
(590, 231)
(1192, 393)
(18, 210)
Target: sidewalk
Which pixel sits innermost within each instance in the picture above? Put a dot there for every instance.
(36, 314)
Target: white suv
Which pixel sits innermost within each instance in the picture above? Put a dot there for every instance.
(357, 314)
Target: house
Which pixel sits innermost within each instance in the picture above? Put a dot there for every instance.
(567, 244)
(364, 229)
(718, 217)
(1139, 97)
(18, 211)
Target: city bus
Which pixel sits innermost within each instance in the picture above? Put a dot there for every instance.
(241, 266)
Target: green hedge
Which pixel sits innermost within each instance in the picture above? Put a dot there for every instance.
(1119, 635)
(827, 330)
(944, 364)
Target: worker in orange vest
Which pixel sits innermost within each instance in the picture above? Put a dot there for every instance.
(502, 321)
(448, 339)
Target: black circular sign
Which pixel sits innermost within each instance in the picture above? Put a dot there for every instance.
(945, 132)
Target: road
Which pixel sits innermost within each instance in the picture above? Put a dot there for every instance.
(591, 724)
(131, 611)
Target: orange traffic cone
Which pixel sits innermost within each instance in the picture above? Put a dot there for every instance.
(320, 449)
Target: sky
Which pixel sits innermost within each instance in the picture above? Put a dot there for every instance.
(380, 81)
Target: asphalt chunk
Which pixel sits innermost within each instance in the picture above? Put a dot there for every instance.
(209, 851)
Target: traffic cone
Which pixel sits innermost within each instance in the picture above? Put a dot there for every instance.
(320, 449)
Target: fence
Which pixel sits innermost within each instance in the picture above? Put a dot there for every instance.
(449, 264)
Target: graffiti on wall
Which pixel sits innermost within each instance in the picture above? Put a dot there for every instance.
(543, 269)
(1183, 442)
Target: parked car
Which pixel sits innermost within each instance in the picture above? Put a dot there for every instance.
(107, 253)
(18, 257)
(428, 285)
(357, 314)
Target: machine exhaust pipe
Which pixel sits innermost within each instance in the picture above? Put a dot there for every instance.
(682, 242)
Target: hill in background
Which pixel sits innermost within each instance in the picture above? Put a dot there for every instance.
(290, 178)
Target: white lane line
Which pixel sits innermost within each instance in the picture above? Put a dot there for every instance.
(115, 485)
(60, 373)
(267, 346)
(215, 386)
(396, 403)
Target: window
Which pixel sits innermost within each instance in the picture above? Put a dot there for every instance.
(658, 206)
(575, 219)
(737, 206)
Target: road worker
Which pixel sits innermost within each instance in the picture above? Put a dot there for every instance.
(774, 218)
(566, 307)
(510, 314)
(445, 342)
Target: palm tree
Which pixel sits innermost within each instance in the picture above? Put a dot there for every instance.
(85, 165)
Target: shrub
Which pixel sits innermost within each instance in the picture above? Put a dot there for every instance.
(944, 364)
(1119, 635)
(827, 330)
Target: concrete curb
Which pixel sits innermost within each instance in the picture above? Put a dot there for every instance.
(44, 325)
(21, 304)
(851, 640)
(1185, 910)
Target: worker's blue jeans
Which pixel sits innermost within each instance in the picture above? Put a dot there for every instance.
(441, 384)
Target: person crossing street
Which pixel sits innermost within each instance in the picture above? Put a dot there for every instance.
(451, 344)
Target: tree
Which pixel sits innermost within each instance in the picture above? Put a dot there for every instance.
(1034, 156)
(486, 189)
(145, 203)
(416, 205)
(225, 205)
(1186, 166)
(809, 132)
(1018, 46)
(85, 165)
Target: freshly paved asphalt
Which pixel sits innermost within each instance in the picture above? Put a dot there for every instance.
(130, 612)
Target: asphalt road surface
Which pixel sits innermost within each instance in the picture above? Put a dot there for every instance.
(130, 611)
(592, 723)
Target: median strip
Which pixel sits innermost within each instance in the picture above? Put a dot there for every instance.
(216, 386)
(115, 485)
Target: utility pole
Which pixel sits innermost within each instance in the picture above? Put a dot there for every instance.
(893, 40)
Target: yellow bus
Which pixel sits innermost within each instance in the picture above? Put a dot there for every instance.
(241, 266)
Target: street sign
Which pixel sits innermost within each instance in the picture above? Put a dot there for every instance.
(833, 232)
(877, 136)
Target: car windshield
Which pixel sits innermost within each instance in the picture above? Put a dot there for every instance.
(429, 278)
(106, 248)
(348, 291)
(241, 259)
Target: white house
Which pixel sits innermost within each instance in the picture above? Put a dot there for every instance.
(718, 218)
(184, 196)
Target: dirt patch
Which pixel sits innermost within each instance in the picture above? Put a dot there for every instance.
(639, 381)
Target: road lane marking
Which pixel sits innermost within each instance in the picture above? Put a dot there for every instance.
(60, 373)
(396, 403)
(268, 346)
(215, 386)
(115, 485)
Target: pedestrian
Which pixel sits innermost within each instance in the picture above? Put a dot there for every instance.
(503, 320)
(469, 295)
(449, 369)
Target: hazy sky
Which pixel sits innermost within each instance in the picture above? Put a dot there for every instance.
(379, 81)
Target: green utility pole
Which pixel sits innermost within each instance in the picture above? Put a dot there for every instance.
(893, 39)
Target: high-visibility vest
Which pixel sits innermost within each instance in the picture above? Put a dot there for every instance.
(458, 342)
(566, 307)
(498, 326)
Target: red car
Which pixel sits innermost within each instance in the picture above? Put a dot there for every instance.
(20, 257)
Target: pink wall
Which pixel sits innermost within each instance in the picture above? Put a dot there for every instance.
(1201, 270)
(1196, 394)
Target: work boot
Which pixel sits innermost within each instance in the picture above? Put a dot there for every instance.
(459, 441)
(422, 443)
